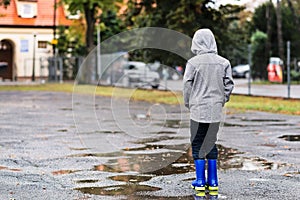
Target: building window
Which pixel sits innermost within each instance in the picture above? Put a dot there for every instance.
(42, 44)
(27, 11)
(27, 8)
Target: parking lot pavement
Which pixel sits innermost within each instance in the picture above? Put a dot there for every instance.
(43, 156)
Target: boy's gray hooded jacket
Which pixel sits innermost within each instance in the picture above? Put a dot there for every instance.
(207, 79)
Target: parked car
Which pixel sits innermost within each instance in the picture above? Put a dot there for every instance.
(241, 71)
(139, 74)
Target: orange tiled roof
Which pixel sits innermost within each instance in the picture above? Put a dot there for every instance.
(45, 11)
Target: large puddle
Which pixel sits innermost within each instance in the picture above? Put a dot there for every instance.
(163, 155)
(229, 159)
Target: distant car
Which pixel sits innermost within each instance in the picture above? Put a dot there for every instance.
(241, 71)
(139, 74)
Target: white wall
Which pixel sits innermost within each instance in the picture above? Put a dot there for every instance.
(24, 60)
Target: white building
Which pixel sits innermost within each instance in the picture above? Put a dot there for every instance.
(26, 32)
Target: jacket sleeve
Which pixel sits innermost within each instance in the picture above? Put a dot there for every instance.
(228, 82)
(188, 80)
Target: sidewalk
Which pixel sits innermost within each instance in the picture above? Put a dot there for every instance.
(274, 90)
(12, 83)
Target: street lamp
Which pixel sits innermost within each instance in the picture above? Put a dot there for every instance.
(33, 58)
(54, 41)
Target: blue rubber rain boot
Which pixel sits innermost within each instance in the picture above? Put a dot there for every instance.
(199, 183)
(212, 176)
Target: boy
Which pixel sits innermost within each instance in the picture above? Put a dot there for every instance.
(208, 85)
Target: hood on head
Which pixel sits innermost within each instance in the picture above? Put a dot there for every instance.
(204, 42)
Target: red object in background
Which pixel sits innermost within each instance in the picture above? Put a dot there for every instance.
(274, 71)
(179, 69)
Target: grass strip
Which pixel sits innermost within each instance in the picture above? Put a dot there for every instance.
(240, 102)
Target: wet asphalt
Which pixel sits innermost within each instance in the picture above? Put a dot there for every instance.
(53, 147)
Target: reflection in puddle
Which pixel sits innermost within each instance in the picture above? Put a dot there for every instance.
(62, 130)
(156, 139)
(291, 138)
(269, 145)
(102, 155)
(131, 178)
(247, 125)
(180, 166)
(279, 124)
(87, 181)
(259, 164)
(174, 123)
(291, 174)
(152, 160)
(62, 172)
(68, 109)
(226, 156)
(164, 132)
(232, 159)
(128, 189)
(234, 125)
(110, 132)
(104, 132)
(146, 159)
(10, 169)
(262, 120)
(139, 162)
(117, 169)
(143, 159)
(79, 149)
(147, 147)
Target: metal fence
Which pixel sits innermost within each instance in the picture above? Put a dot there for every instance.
(116, 70)
(63, 68)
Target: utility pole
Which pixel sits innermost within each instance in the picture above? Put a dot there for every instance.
(250, 63)
(98, 69)
(33, 58)
(54, 41)
(288, 58)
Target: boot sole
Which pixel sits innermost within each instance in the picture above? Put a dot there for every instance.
(198, 189)
(213, 190)
(200, 194)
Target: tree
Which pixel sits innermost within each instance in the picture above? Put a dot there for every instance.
(91, 9)
(279, 30)
(290, 30)
(4, 3)
(269, 28)
(110, 24)
(259, 61)
(296, 18)
(70, 41)
(187, 16)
